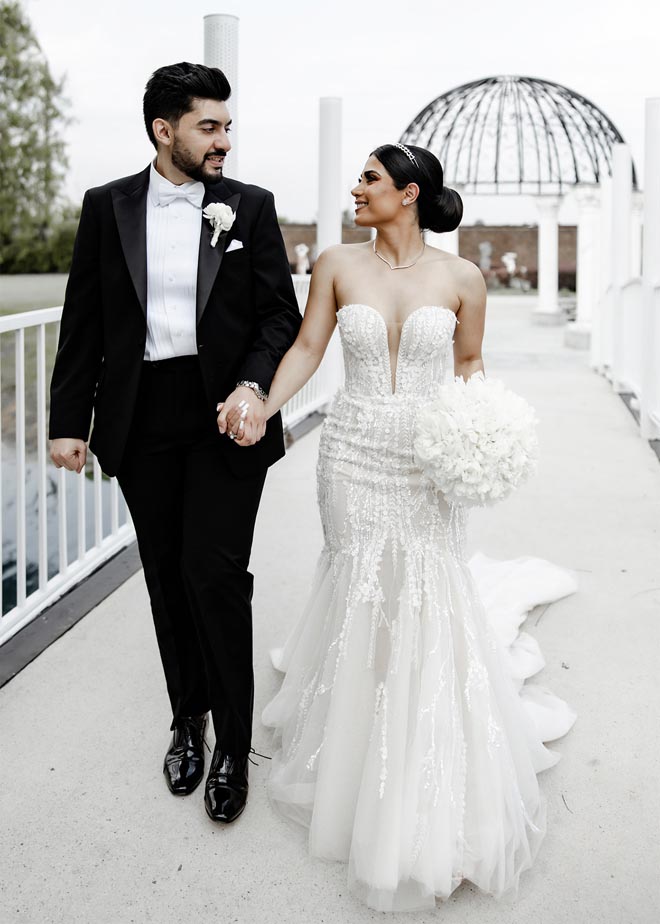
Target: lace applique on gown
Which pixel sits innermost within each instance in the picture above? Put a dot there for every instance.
(404, 737)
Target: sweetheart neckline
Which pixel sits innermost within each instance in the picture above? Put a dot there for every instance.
(407, 318)
(394, 370)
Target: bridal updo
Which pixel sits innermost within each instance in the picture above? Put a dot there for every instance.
(439, 208)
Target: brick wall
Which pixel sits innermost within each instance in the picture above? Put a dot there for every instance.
(519, 239)
(306, 234)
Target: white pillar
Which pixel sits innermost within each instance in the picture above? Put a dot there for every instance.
(601, 327)
(578, 334)
(650, 398)
(636, 234)
(547, 310)
(448, 241)
(221, 50)
(328, 228)
(620, 256)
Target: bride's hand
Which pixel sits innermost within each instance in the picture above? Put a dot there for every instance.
(242, 417)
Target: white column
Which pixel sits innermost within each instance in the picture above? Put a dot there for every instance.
(221, 50)
(578, 334)
(328, 229)
(547, 309)
(650, 399)
(636, 234)
(620, 256)
(601, 327)
(448, 241)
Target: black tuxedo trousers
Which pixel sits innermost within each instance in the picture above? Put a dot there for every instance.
(194, 521)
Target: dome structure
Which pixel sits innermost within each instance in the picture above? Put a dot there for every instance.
(516, 135)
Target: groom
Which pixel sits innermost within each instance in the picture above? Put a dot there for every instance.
(167, 313)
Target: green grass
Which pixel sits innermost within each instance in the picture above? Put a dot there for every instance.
(29, 292)
(20, 294)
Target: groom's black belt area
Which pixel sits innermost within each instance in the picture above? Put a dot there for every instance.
(174, 364)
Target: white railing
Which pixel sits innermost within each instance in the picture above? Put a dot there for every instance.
(650, 397)
(57, 527)
(631, 326)
(604, 338)
(329, 376)
(626, 346)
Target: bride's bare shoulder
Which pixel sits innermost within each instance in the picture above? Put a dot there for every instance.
(342, 255)
(465, 272)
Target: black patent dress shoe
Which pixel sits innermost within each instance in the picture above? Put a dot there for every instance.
(184, 761)
(226, 787)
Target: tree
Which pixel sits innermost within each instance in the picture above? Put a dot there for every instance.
(33, 160)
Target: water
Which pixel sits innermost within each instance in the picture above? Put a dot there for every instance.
(9, 525)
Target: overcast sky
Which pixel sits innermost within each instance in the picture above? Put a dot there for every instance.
(387, 59)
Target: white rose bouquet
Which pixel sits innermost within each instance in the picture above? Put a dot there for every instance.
(477, 441)
(221, 217)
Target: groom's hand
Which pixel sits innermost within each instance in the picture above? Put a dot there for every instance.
(242, 417)
(68, 453)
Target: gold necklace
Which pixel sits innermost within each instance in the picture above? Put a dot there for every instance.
(403, 265)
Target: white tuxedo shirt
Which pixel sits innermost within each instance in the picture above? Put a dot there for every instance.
(173, 232)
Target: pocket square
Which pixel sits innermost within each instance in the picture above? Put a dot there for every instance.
(234, 245)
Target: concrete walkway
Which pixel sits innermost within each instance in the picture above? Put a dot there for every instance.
(89, 834)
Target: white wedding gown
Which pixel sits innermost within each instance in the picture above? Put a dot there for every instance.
(404, 736)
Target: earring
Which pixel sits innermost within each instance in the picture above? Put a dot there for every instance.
(404, 202)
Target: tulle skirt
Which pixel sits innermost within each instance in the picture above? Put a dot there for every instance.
(405, 738)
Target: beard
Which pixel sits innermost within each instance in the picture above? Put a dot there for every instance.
(184, 161)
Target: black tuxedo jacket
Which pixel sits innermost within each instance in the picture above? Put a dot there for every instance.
(247, 316)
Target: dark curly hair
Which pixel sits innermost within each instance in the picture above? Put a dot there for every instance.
(170, 92)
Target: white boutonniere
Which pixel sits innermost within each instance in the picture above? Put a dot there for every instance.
(221, 217)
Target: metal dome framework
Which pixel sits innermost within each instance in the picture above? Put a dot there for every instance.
(516, 135)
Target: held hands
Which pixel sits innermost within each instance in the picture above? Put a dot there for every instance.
(69, 453)
(242, 417)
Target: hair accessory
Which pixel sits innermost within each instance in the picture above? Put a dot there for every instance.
(409, 154)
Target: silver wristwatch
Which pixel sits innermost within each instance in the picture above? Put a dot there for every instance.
(256, 388)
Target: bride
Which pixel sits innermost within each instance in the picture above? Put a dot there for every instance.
(404, 738)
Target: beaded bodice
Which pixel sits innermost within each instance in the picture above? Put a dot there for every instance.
(422, 355)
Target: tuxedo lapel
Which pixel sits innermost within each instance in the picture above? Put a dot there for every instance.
(210, 258)
(130, 208)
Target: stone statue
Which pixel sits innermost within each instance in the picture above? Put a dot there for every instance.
(509, 261)
(302, 260)
(485, 253)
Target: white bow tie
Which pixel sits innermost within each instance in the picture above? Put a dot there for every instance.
(194, 194)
